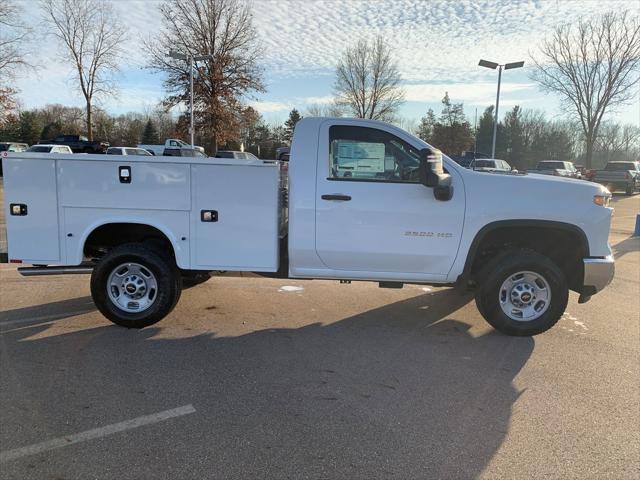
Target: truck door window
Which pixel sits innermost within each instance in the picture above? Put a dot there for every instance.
(369, 154)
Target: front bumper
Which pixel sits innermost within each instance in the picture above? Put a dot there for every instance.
(598, 273)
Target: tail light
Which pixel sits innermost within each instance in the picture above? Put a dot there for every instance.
(627, 176)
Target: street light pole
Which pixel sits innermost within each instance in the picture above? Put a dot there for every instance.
(191, 130)
(190, 59)
(493, 66)
(495, 119)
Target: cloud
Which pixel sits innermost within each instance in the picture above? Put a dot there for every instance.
(477, 93)
(436, 40)
(316, 100)
(437, 45)
(270, 107)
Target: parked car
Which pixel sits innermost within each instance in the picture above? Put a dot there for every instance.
(127, 151)
(11, 147)
(235, 154)
(490, 165)
(283, 153)
(78, 144)
(556, 168)
(182, 152)
(468, 157)
(366, 201)
(171, 143)
(44, 148)
(619, 176)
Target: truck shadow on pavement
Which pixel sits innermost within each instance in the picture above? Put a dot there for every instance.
(401, 391)
(49, 312)
(628, 245)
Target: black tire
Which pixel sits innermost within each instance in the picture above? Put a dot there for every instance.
(163, 268)
(630, 190)
(500, 269)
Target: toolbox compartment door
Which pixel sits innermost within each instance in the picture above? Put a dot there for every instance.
(34, 236)
(235, 217)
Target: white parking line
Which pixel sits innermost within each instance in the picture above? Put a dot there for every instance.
(95, 433)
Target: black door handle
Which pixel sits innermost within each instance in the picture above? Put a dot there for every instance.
(344, 198)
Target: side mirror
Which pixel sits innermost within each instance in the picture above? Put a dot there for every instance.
(432, 174)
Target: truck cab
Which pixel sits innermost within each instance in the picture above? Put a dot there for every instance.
(361, 200)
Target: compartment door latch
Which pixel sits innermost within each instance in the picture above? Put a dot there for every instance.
(18, 209)
(124, 174)
(209, 215)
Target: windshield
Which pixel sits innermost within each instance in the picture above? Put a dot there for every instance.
(224, 155)
(619, 167)
(39, 148)
(550, 165)
(484, 164)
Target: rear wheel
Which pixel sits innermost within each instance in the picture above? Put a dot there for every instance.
(630, 189)
(134, 287)
(523, 293)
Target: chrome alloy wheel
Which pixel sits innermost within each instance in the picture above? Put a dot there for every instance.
(132, 287)
(525, 296)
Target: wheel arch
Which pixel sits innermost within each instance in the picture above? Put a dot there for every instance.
(109, 233)
(511, 228)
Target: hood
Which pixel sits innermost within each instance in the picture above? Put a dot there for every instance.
(531, 184)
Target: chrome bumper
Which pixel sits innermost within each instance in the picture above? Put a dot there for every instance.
(598, 273)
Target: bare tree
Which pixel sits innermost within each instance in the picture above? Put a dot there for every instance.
(617, 142)
(593, 65)
(13, 37)
(323, 110)
(224, 30)
(368, 81)
(92, 37)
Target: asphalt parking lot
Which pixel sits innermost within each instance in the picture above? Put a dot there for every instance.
(261, 378)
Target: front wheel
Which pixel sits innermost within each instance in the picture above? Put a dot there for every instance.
(134, 286)
(523, 293)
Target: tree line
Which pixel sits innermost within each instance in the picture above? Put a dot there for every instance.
(252, 134)
(525, 137)
(592, 64)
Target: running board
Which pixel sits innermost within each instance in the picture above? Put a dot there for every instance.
(33, 271)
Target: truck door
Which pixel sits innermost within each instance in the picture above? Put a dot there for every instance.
(372, 214)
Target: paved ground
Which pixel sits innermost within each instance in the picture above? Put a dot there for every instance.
(249, 379)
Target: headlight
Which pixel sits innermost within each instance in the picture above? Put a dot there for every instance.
(602, 200)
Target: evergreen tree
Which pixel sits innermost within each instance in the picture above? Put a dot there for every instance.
(51, 131)
(427, 124)
(452, 133)
(290, 124)
(485, 132)
(150, 134)
(30, 127)
(514, 138)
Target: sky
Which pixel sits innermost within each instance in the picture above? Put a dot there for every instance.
(437, 45)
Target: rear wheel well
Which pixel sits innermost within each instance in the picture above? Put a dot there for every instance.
(566, 247)
(110, 235)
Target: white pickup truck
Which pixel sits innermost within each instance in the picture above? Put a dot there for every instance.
(170, 144)
(365, 201)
